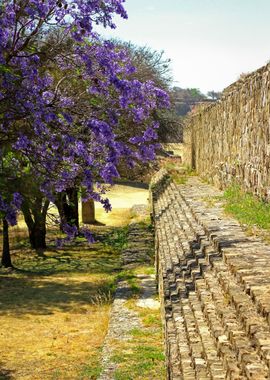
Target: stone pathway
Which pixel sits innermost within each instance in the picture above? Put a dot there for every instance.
(215, 286)
(122, 319)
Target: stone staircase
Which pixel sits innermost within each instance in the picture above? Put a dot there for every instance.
(214, 283)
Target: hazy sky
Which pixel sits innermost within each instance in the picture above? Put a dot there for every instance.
(210, 42)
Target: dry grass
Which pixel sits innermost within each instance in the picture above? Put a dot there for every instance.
(122, 198)
(55, 308)
(176, 148)
(54, 312)
(118, 217)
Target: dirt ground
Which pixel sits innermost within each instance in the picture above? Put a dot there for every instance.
(122, 198)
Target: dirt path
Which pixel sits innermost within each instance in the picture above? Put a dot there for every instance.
(122, 199)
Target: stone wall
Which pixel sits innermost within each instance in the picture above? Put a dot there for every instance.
(230, 140)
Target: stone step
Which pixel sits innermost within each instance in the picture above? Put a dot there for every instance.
(217, 303)
(186, 365)
(252, 364)
(252, 269)
(255, 325)
(223, 345)
(255, 283)
(190, 345)
(213, 362)
(172, 349)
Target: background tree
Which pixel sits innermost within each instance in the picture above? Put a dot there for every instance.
(214, 95)
(153, 65)
(186, 98)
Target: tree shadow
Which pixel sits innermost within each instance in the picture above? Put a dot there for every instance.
(58, 279)
(96, 223)
(6, 374)
(45, 296)
(96, 259)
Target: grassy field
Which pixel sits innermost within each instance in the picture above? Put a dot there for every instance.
(55, 308)
(54, 311)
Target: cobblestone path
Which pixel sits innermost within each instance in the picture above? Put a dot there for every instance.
(215, 286)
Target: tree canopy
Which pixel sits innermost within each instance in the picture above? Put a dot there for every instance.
(66, 97)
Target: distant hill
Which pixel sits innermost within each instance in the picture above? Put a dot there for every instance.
(186, 98)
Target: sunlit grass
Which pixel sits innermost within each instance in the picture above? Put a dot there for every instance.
(247, 208)
(55, 307)
(142, 356)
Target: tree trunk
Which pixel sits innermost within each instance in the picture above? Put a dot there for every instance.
(88, 212)
(35, 218)
(72, 208)
(6, 259)
(68, 207)
(37, 235)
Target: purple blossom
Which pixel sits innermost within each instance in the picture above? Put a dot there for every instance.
(17, 200)
(87, 234)
(106, 204)
(63, 144)
(150, 134)
(10, 209)
(48, 97)
(108, 172)
(22, 143)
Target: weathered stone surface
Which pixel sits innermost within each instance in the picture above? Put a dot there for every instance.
(229, 140)
(214, 284)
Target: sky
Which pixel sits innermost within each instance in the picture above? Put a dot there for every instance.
(210, 42)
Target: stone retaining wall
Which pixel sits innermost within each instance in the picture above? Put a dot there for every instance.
(231, 138)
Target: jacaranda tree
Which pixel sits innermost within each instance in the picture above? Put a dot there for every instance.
(63, 138)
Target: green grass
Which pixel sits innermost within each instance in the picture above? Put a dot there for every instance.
(92, 370)
(132, 280)
(117, 238)
(144, 361)
(247, 208)
(141, 357)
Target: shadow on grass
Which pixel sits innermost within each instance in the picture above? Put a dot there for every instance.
(95, 260)
(6, 374)
(44, 296)
(73, 277)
